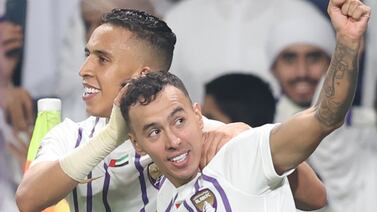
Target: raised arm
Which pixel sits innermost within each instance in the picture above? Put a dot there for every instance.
(293, 141)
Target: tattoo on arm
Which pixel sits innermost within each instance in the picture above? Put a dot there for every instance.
(339, 86)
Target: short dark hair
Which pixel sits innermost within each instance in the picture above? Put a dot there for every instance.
(144, 90)
(148, 28)
(243, 98)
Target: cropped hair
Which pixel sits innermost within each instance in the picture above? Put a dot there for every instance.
(143, 90)
(147, 28)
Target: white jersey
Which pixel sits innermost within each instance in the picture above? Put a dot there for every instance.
(241, 177)
(126, 178)
(128, 181)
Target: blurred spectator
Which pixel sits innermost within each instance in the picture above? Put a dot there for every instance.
(163, 6)
(215, 36)
(350, 186)
(299, 52)
(15, 107)
(239, 98)
(92, 10)
(370, 74)
(14, 100)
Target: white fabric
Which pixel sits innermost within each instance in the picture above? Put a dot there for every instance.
(8, 178)
(2, 7)
(370, 75)
(245, 176)
(70, 58)
(313, 29)
(125, 188)
(285, 109)
(84, 158)
(45, 25)
(218, 36)
(346, 162)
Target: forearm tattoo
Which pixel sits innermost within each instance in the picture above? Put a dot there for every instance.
(339, 86)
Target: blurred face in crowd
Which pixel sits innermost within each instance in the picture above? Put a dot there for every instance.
(212, 111)
(299, 68)
(169, 129)
(112, 58)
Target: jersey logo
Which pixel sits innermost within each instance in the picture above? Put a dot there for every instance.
(154, 175)
(204, 201)
(122, 161)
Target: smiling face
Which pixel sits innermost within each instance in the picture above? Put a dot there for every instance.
(169, 129)
(298, 68)
(113, 57)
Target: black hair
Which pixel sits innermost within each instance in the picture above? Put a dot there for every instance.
(243, 97)
(144, 90)
(147, 28)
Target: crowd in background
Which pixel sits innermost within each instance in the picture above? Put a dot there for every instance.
(255, 61)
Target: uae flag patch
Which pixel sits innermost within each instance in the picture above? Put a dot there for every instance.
(119, 162)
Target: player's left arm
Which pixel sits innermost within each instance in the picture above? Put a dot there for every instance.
(308, 191)
(293, 141)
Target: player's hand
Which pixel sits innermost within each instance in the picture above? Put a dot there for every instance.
(122, 91)
(215, 139)
(350, 18)
(18, 106)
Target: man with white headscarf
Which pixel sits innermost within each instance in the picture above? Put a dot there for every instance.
(220, 35)
(299, 52)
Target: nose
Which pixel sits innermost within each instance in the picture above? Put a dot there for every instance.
(302, 67)
(86, 68)
(172, 140)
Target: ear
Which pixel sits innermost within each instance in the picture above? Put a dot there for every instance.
(136, 145)
(144, 70)
(198, 113)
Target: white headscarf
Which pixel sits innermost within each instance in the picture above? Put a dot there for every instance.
(309, 26)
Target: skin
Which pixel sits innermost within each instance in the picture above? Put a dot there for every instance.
(112, 59)
(169, 135)
(299, 68)
(171, 127)
(287, 150)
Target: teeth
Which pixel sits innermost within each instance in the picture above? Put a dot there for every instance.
(179, 158)
(88, 91)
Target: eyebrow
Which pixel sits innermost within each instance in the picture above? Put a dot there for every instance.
(99, 52)
(171, 115)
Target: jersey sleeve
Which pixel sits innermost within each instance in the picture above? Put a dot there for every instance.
(57, 142)
(246, 162)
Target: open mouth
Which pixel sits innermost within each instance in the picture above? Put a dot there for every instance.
(88, 91)
(179, 158)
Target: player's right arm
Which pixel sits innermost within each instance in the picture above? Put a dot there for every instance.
(46, 183)
(43, 185)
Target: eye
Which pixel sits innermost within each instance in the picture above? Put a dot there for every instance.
(315, 57)
(154, 132)
(289, 58)
(179, 122)
(86, 53)
(102, 60)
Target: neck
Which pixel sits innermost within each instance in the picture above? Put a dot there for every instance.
(180, 182)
